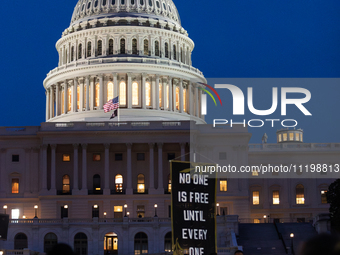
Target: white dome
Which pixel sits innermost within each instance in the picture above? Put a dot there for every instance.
(87, 10)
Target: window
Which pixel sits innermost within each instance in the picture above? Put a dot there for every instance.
(89, 49)
(148, 93)
(175, 53)
(15, 214)
(96, 95)
(140, 211)
(20, 242)
(49, 241)
(223, 185)
(122, 2)
(140, 183)
(111, 47)
(96, 183)
(109, 91)
(256, 197)
(141, 2)
(166, 49)
(134, 47)
(80, 244)
(118, 212)
(276, 197)
(100, 48)
(113, 2)
(280, 138)
(132, 2)
(324, 197)
(69, 94)
(135, 94)
(64, 211)
(66, 157)
(96, 3)
(157, 48)
(146, 47)
(160, 87)
(177, 98)
(15, 158)
(122, 93)
(122, 46)
(15, 186)
(291, 136)
(95, 211)
(222, 156)
(182, 56)
(300, 194)
(80, 49)
(158, 5)
(297, 136)
(89, 5)
(169, 183)
(140, 156)
(96, 157)
(257, 221)
(104, 2)
(141, 243)
(284, 137)
(66, 184)
(78, 97)
(119, 183)
(84, 94)
(72, 53)
(118, 157)
(168, 242)
(301, 137)
(150, 2)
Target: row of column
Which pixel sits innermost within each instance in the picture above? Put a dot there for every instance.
(78, 101)
(107, 190)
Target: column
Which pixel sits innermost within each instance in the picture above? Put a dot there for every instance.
(143, 91)
(129, 189)
(101, 91)
(152, 168)
(65, 96)
(191, 99)
(153, 93)
(47, 104)
(196, 101)
(84, 168)
(160, 167)
(57, 96)
(157, 92)
(81, 96)
(51, 101)
(53, 168)
(170, 94)
(181, 105)
(115, 85)
(43, 151)
(74, 95)
(75, 167)
(182, 151)
(129, 91)
(107, 190)
(165, 99)
(87, 93)
(174, 95)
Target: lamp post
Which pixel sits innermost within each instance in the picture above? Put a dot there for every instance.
(264, 217)
(291, 243)
(217, 209)
(155, 210)
(125, 207)
(36, 211)
(5, 208)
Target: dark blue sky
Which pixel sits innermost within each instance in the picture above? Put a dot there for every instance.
(243, 38)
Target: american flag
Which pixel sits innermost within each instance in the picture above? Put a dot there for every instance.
(112, 104)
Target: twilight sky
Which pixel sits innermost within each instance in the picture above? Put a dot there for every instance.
(240, 39)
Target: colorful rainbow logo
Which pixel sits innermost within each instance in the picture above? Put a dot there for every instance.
(208, 92)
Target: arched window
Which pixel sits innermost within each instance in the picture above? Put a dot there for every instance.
(49, 241)
(141, 2)
(146, 47)
(135, 94)
(78, 97)
(66, 184)
(148, 93)
(109, 91)
(119, 183)
(89, 49)
(80, 244)
(20, 242)
(66, 57)
(122, 46)
(160, 87)
(140, 183)
(96, 183)
(300, 194)
(166, 49)
(169, 183)
(256, 197)
(122, 2)
(182, 56)
(96, 95)
(177, 98)
(15, 185)
(104, 2)
(111, 47)
(132, 2)
(89, 5)
(150, 2)
(134, 47)
(113, 2)
(80, 49)
(141, 243)
(276, 197)
(100, 47)
(69, 94)
(185, 108)
(72, 53)
(122, 93)
(96, 4)
(157, 48)
(168, 242)
(175, 53)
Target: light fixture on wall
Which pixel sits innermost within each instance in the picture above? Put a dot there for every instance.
(36, 212)
(155, 210)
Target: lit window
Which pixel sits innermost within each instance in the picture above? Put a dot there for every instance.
(223, 185)
(118, 208)
(301, 138)
(109, 91)
(256, 197)
(140, 183)
(140, 211)
(148, 93)
(100, 47)
(146, 47)
(257, 221)
(66, 184)
(284, 137)
(300, 194)
(297, 136)
(122, 93)
(160, 87)
(119, 183)
(96, 157)
(15, 186)
(185, 100)
(324, 197)
(280, 138)
(276, 197)
(169, 183)
(177, 98)
(96, 184)
(66, 157)
(78, 97)
(62, 102)
(134, 46)
(291, 136)
(135, 94)
(96, 97)
(69, 99)
(90, 96)
(15, 214)
(15, 158)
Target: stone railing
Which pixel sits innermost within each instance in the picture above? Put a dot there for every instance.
(293, 146)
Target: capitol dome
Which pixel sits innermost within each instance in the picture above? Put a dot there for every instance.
(134, 49)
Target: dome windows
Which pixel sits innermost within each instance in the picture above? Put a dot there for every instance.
(96, 4)
(82, 8)
(122, 46)
(122, 93)
(111, 47)
(113, 2)
(158, 4)
(164, 6)
(134, 47)
(166, 50)
(104, 2)
(89, 5)
(80, 49)
(141, 2)
(100, 48)
(72, 53)
(146, 47)
(122, 2)
(157, 48)
(175, 53)
(150, 2)
(89, 48)
(132, 2)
